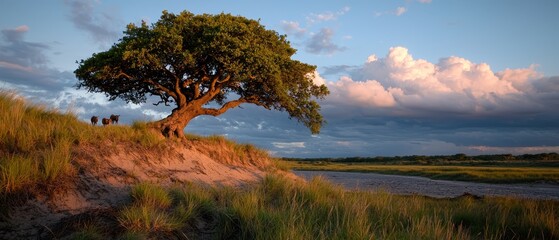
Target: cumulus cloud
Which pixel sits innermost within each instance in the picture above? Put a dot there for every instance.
(100, 25)
(370, 93)
(321, 43)
(453, 85)
(294, 28)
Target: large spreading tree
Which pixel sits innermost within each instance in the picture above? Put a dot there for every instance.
(204, 65)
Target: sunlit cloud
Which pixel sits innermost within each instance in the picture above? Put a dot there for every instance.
(454, 85)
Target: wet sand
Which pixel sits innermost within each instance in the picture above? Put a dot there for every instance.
(408, 185)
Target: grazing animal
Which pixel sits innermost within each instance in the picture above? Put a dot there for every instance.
(106, 121)
(94, 120)
(114, 118)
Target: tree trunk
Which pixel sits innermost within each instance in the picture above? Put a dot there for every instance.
(174, 124)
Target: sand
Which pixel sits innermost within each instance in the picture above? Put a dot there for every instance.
(106, 172)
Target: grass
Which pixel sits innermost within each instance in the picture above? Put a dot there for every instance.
(36, 151)
(229, 152)
(488, 174)
(36, 143)
(280, 208)
(147, 212)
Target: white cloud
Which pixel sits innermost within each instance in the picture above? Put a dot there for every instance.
(283, 145)
(366, 93)
(424, 1)
(327, 16)
(155, 115)
(316, 78)
(400, 10)
(454, 85)
(292, 27)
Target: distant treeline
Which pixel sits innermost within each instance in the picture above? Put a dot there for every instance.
(456, 158)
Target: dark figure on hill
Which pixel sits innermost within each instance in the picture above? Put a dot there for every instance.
(106, 121)
(114, 119)
(94, 120)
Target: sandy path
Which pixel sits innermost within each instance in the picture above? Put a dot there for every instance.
(407, 185)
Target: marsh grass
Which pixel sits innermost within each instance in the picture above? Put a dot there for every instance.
(280, 208)
(488, 174)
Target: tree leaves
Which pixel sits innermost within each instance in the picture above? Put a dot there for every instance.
(193, 60)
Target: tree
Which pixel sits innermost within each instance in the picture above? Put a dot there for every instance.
(198, 62)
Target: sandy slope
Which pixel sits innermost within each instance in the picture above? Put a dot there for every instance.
(105, 173)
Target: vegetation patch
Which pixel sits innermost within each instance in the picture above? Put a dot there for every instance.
(487, 174)
(280, 208)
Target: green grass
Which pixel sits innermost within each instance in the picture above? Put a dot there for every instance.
(36, 143)
(280, 208)
(489, 174)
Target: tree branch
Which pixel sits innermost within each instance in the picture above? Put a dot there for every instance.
(216, 112)
(232, 104)
(158, 87)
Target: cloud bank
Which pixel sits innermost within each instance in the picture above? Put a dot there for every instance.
(394, 104)
(454, 85)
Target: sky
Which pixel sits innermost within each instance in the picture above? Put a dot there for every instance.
(406, 77)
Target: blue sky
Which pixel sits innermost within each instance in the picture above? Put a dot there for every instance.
(407, 77)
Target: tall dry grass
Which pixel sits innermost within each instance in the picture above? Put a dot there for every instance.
(229, 152)
(36, 143)
(280, 208)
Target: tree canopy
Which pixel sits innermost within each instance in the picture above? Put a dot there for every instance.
(197, 62)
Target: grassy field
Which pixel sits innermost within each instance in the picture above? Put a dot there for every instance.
(36, 154)
(279, 208)
(488, 174)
